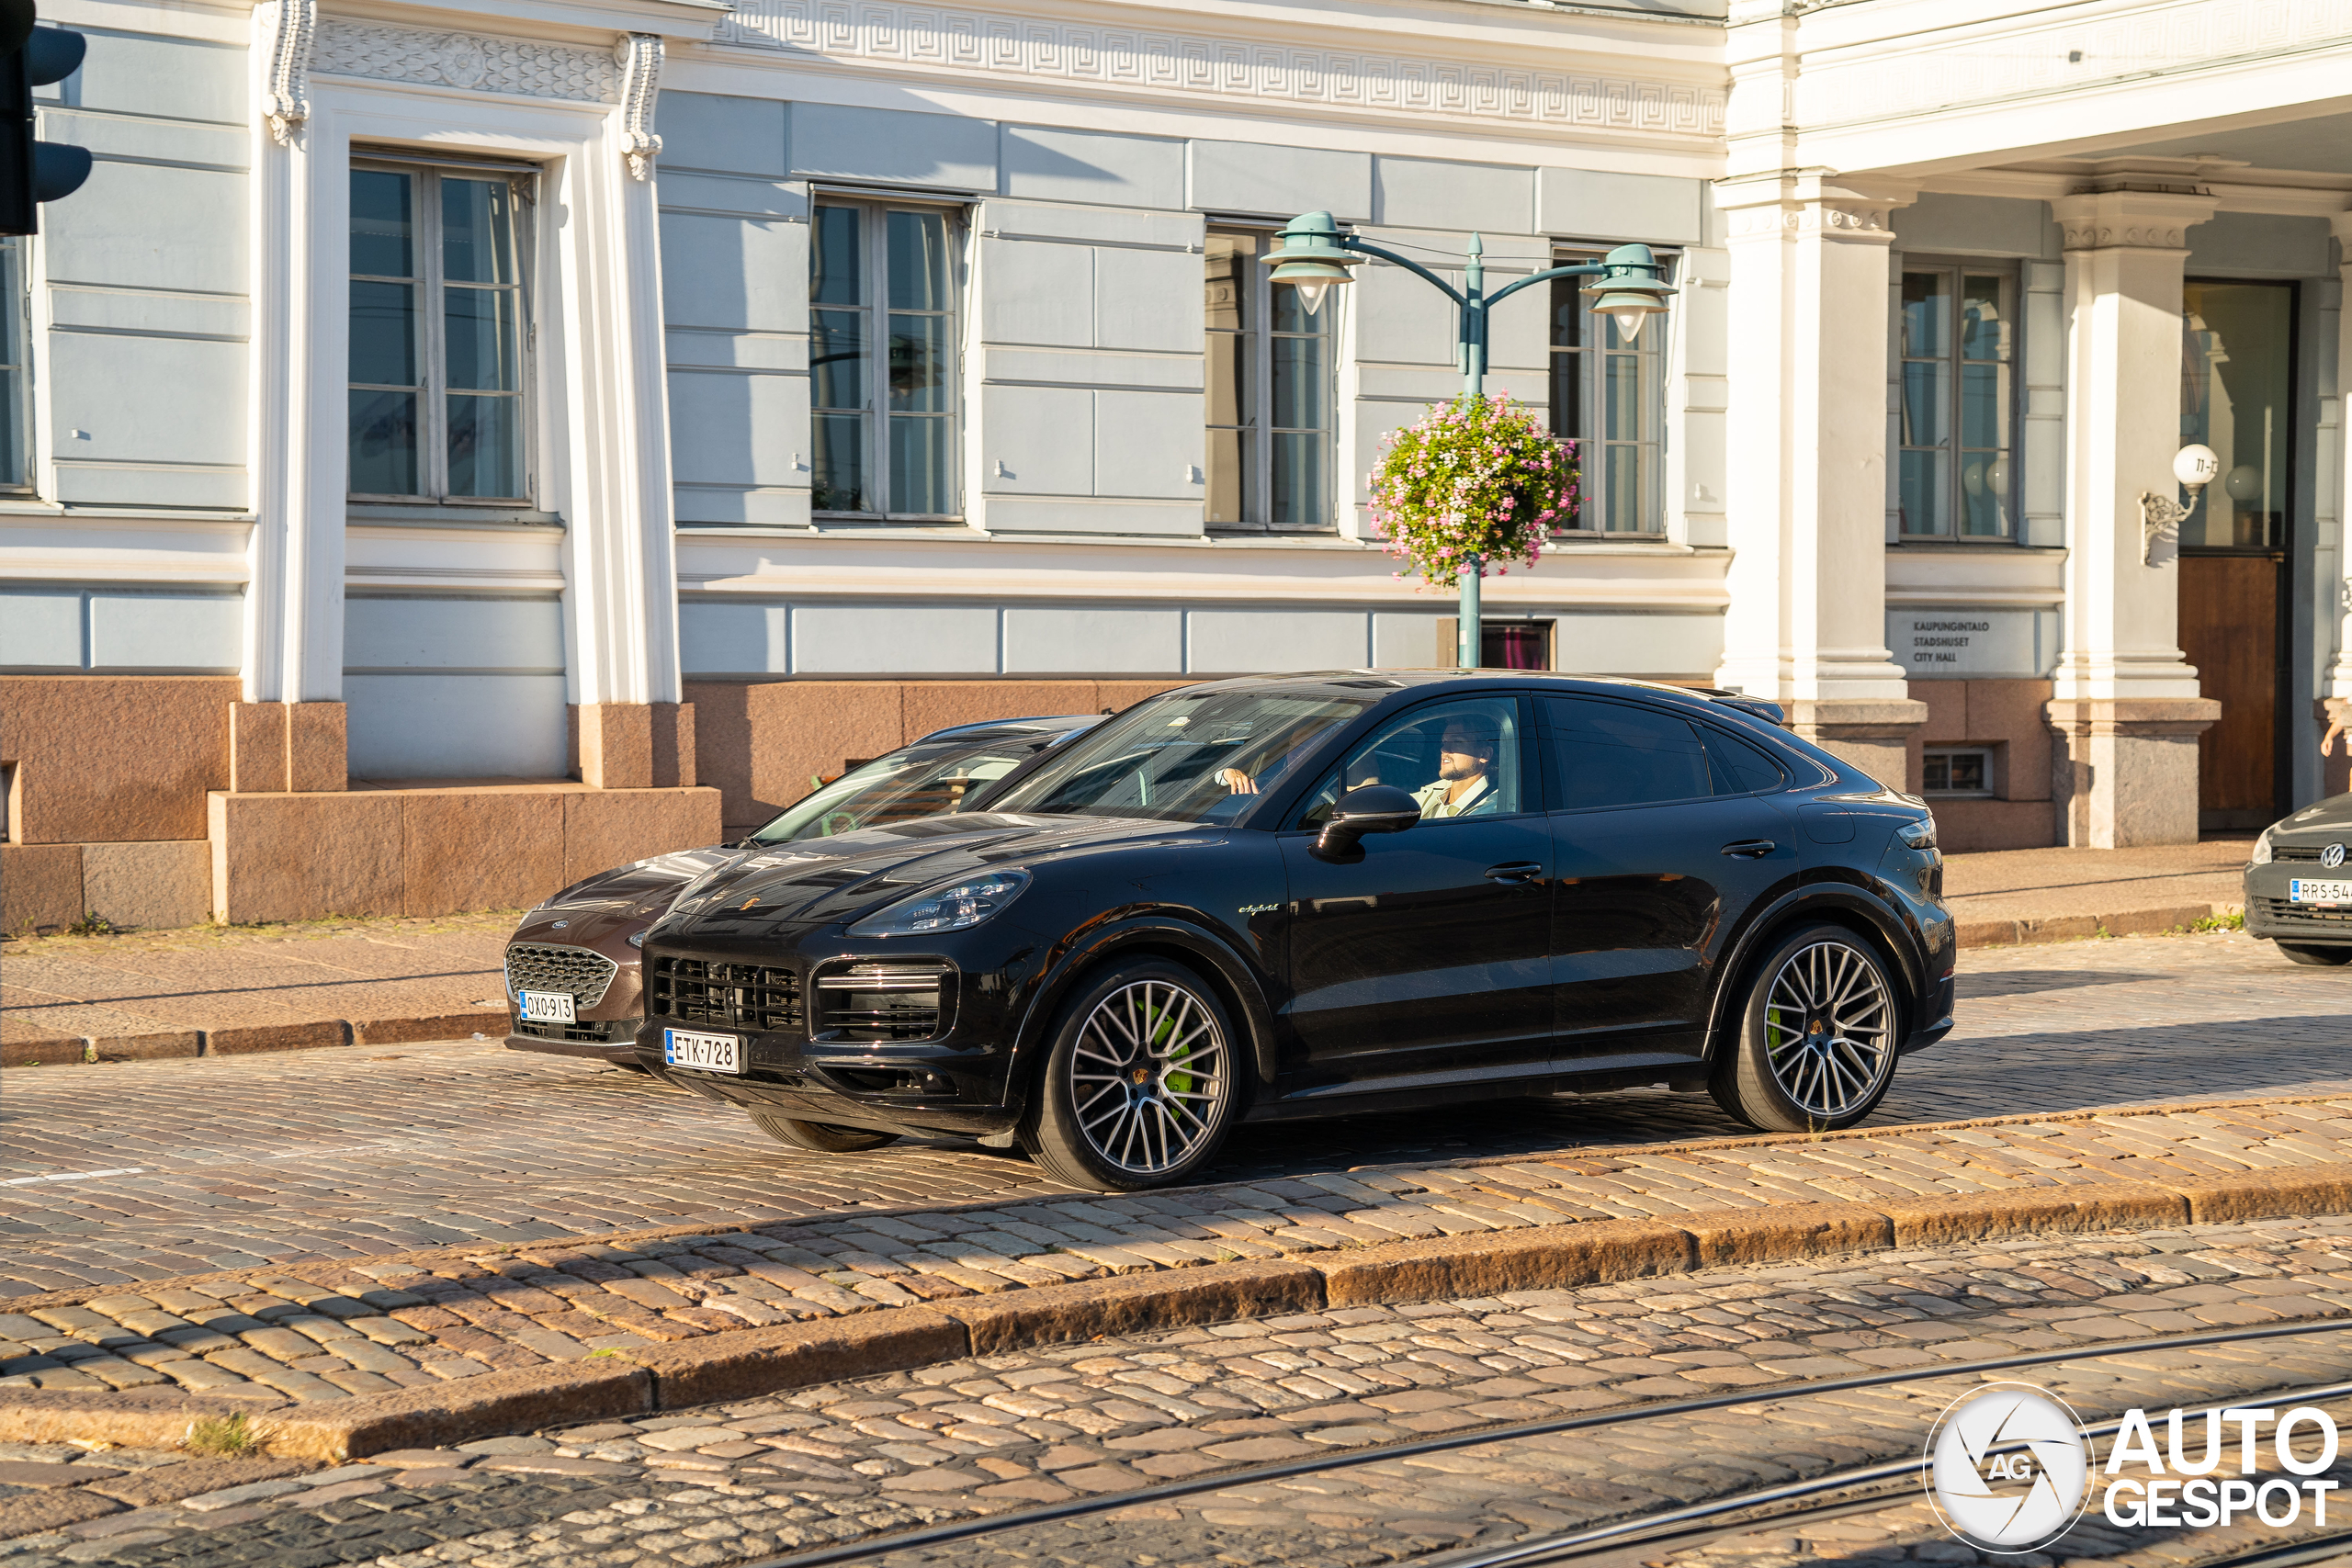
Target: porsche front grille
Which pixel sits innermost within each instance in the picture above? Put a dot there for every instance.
(737, 996)
(881, 1003)
(542, 966)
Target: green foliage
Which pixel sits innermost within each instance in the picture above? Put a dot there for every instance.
(92, 923)
(224, 1437)
(1477, 478)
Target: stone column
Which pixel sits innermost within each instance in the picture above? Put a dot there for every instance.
(629, 729)
(288, 733)
(1806, 501)
(2126, 708)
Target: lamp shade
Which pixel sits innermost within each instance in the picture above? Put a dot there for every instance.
(1307, 251)
(1630, 288)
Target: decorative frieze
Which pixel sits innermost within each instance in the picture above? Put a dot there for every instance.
(471, 61)
(884, 32)
(1811, 204)
(2130, 220)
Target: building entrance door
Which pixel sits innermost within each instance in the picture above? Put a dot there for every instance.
(2229, 629)
(2237, 397)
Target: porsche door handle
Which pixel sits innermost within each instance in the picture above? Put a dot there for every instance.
(1512, 873)
(1751, 848)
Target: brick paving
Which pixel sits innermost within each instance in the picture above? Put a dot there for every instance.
(851, 1461)
(196, 1167)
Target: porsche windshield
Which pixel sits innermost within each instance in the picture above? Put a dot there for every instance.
(920, 780)
(1186, 756)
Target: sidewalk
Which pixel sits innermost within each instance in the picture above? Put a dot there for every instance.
(223, 991)
(2016, 895)
(215, 991)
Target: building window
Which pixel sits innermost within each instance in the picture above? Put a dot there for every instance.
(882, 349)
(2237, 396)
(439, 333)
(1957, 771)
(1270, 394)
(16, 370)
(1958, 333)
(1609, 397)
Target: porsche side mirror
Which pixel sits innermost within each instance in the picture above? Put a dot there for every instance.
(1374, 808)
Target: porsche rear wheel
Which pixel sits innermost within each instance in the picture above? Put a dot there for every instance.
(1818, 1036)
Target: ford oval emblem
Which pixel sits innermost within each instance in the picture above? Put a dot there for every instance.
(560, 924)
(2332, 856)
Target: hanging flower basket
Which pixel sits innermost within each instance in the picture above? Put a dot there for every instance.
(1478, 479)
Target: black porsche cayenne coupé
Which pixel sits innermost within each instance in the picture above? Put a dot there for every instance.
(1314, 894)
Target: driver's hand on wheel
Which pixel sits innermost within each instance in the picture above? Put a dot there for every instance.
(1236, 782)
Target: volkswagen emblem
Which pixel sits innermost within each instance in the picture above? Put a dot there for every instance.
(2332, 856)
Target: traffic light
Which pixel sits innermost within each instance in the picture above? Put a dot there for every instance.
(31, 171)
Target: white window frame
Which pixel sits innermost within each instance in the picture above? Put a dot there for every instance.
(433, 425)
(1601, 340)
(1958, 269)
(1259, 334)
(16, 257)
(874, 240)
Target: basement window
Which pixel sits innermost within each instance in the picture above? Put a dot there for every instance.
(1957, 771)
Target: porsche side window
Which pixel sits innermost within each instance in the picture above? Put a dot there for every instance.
(1738, 767)
(1622, 754)
(1458, 759)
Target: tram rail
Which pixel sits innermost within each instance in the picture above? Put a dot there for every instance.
(1566, 1546)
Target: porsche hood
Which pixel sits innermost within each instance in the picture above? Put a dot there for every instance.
(825, 881)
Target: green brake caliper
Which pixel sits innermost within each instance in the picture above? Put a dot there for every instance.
(1162, 1027)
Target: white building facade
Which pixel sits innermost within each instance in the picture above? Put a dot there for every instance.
(519, 437)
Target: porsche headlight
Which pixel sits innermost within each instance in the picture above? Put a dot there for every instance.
(952, 909)
(2262, 846)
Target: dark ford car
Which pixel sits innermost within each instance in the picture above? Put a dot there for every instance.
(1312, 894)
(2298, 893)
(571, 964)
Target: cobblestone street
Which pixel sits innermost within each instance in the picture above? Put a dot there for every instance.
(152, 1169)
(838, 1462)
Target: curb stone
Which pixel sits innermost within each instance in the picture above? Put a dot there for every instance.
(748, 1362)
(2156, 921)
(82, 1050)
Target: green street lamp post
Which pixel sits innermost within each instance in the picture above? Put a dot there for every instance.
(1628, 284)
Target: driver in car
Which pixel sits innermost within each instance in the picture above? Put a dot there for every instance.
(1462, 788)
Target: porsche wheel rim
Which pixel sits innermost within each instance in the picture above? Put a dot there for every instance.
(1149, 1078)
(1829, 1028)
